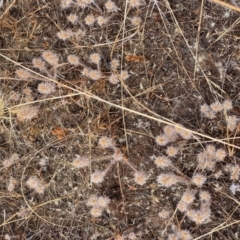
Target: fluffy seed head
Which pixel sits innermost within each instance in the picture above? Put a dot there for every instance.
(73, 18)
(65, 34)
(26, 112)
(136, 21)
(96, 212)
(73, 59)
(39, 63)
(111, 6)
(90, 19)
(205, 196)
(183, 133)
(95, 58)
(168, 179)
(124, 75)
(220, 154)
(102, 21)
(98, 176)
(66, 3)
(186, 235)
(80, 162)
(170, 132)
(36, 184)
(227, 105)
(136, 3)
(199, 179)
(115, 64)
(113, 79)
(172, 151)
(162, 140)
(182, 206)
(83, 3)
(216, 107)
(164, 214)
(210, 151)
(50, 57)
(118, 155)
(163, 162)
(94, 74)
(103, 202)
(23, 74)
(189, 196)
(46, 88)
(232, 122)
(106, 142)
(140, 178)
(92, 201)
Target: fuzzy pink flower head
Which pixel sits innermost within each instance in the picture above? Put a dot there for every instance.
(182, 206)
(220, 155)
(136, 3)
(11, 184)
(92, 201)
(73, 18)
(184, 133)
(207, 111)
(170, 132)
(232, 122)
(164, 214)
(94, 74)
(113, 79)
(205, 196)
(199, 179)
(102, 21)
(111, 6)
(83, 3)
(73, 59)
(39, 63)
(216, 107)
(115, 63)
(96, 212)
(36, 184)
(140, 178)
(11, 160)
(163, 162)
(46, 88)
(90, 19)
(26, 112)
(23, 74)
(205, 162)
(227, 105)
(50, 57)
(189, 196)
(168, 179)
(65, 34)
(79, 33)
(198, 216)
(124, 75)
(136, 21)
(234, 170)
(118, 155)
(210, 151)
(162, 140)
(80, 162)
(103, 202)
(186, 235)
(98, 177)
(95, 58)
(66, 3)
(106, 142)
(172, 151)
